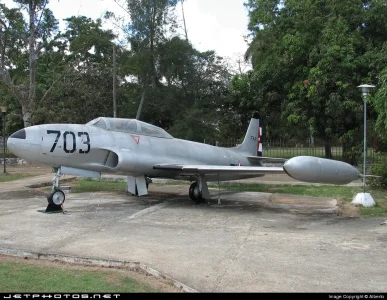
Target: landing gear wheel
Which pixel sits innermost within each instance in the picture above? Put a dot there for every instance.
(55, 199)
(194, 193)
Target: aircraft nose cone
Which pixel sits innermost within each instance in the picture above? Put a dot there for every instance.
(25, 143)
(17, 142)
(15, 139)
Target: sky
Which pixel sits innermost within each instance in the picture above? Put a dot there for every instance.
(211, 24)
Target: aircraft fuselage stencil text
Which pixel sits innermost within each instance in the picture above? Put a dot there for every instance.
(70, 142)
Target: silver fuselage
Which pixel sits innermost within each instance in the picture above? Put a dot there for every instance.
(92, 148)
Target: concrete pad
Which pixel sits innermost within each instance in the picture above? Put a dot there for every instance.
(252, 242)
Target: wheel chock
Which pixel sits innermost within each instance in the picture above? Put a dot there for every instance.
(53, 208)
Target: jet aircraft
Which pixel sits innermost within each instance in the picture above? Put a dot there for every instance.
(140, 151)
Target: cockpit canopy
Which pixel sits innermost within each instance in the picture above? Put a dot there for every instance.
(129, 126)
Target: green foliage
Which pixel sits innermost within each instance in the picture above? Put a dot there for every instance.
(84, 84)
(185, 90)
(195, 124)
(379, 169)
(146, 33)
(308, 58)
(85, 34)
(352, 147)
(22, 43)
(380, 104)
(182, 89)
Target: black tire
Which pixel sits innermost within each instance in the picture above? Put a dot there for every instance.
(194, 193)
(190, 191)
(56, 198)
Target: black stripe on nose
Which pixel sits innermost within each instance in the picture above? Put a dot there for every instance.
(20, 134)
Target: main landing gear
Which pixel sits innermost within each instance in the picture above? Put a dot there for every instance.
(198, 191)
(195, 193)
(56, 197)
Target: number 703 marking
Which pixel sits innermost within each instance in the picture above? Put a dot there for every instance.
(70, 148)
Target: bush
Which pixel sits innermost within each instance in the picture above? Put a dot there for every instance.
(379, 169)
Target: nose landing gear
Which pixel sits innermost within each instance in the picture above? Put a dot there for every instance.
(56, 197)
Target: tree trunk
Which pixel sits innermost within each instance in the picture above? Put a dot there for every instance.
(152, 24)
(32, 63)
(26, 115)
(139, 111)
(185, 27)
(328, 149)
(2, 44)
(114, 82)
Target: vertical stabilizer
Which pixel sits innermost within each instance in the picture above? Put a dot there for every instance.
(252, 143)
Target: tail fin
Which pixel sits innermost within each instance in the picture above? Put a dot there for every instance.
(252, 143)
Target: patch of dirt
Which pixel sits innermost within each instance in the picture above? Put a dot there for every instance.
(284, 200)
(168, 189)
(113, 279)
(23, 194)
(347, 209)
(162, 285)
(28, 169)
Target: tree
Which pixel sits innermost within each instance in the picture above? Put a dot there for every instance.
(180, 83)
(311, 55)
(85, 86)
(146, 32)
(380, 103)
(30, 38)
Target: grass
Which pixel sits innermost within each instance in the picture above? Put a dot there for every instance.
(26, 277)
(10, 177)
(89, 186)
(7, 154)
(300, 151)
(341, 193)
(289, 152)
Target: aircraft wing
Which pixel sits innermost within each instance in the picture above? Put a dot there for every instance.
(302, 168)
(213, 169)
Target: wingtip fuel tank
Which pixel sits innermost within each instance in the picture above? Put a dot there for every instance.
(320, 170)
